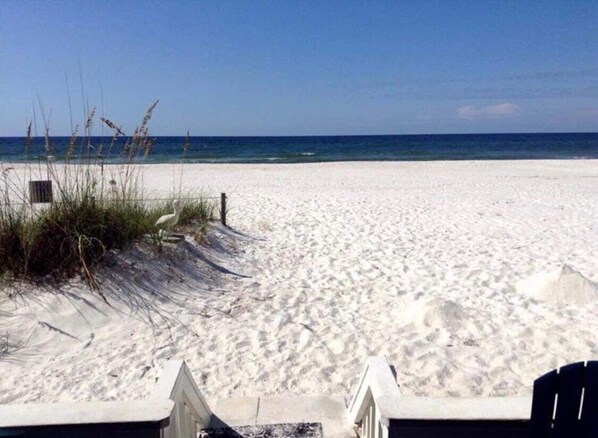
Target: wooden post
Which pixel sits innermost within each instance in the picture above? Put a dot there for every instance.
(223, 208)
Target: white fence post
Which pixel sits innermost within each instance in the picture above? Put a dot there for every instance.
(376, 394)
(177, 384)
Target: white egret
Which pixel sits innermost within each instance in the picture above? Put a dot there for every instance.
(169, 220)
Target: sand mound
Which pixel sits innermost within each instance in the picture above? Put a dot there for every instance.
(439, 314)
(563, 286)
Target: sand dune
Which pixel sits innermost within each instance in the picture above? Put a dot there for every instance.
(327, 264)
(564, 286)
(438, 314)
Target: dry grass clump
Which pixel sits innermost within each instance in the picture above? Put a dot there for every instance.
(96, 208)
(9, 346)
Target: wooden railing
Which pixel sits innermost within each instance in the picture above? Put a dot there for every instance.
(376, 396)
(176, 409)
(382, 412)
(137, 418)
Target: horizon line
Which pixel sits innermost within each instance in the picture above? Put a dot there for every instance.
(322, 135)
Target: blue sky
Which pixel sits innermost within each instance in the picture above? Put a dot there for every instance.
(289, 67)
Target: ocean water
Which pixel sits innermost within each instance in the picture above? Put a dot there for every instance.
(336, 148)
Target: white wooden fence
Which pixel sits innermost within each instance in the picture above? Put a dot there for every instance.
(380, 410)
(191, 412)
(375, 399)
(175, 409)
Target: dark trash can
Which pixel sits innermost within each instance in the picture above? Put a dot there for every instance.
(40, 192)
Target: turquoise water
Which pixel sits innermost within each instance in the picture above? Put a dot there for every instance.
(339, 148)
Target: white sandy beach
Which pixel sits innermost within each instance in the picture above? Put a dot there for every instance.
(436, 265)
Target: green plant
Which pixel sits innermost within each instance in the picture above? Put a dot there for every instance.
(97, 208)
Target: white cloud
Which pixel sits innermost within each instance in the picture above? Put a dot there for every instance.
(470, 112)
(502, 109)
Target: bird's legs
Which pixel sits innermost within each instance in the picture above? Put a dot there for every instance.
(164, 234)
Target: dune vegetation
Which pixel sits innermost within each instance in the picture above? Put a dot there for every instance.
(99, 204)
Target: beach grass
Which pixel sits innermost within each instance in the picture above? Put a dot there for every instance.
(96, 208)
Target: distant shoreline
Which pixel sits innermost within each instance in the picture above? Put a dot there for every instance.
(452, 147)
(314, 163)
(41, 137)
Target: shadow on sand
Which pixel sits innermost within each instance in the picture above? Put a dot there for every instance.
(152, 284)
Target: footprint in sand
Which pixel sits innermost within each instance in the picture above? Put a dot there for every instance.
(336, 346)
(304, 339)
